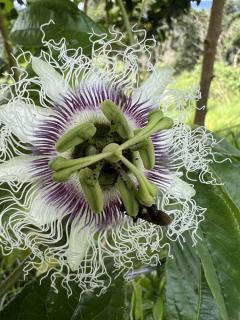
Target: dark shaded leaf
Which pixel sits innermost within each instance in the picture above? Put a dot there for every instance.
(40, 302)
(28, 305)
(69, 22)
(218, 252)
(219, 248)
(228, 173)
(226, 149)
(187, 294)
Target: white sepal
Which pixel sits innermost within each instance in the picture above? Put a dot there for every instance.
(154, 86)
(22, 118)
(181, 189)
(42, 213)
(53, 83)
(78, 243)
(17, 169)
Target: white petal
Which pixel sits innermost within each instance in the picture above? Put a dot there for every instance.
(22, 118)
(53, 83)
(17, 169)
(42, 213)
(79, 244)
(181, 189)
(154, 86)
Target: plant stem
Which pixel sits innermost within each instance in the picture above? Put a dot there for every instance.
(126, 22)
(13, 278)
(8, 48)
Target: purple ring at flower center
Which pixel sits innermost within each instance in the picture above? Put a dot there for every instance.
(67, 196)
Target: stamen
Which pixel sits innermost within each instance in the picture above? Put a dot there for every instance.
(127, 196)
(91, 189)
(144, 192)
(65, 167)
(147, 155)
(76, 136)
(155, 124)
(114, 114)
(146, 151)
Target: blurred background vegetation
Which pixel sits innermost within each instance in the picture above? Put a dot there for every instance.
(180, 27)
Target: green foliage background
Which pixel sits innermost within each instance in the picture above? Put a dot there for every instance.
(201, 282)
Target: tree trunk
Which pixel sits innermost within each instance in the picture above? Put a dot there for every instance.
(210, 48)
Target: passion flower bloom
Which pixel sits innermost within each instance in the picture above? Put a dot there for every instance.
(91, 162)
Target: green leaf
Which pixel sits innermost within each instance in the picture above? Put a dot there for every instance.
(148, 293)
(158, 308)
(219, 248)
(40, 302)
(209, 310)
(111, 305)
(137, 307)
(29, 304)
(227, 149)
(212, 277)
(69, 22)
(8, 5)
(187, 294)
(227, 173)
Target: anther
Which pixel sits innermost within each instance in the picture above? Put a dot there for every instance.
(115, 115)
(155, 124)
(76, 136)
(91, 189)
(144, 194)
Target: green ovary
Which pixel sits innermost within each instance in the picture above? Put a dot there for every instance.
(109, 155)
